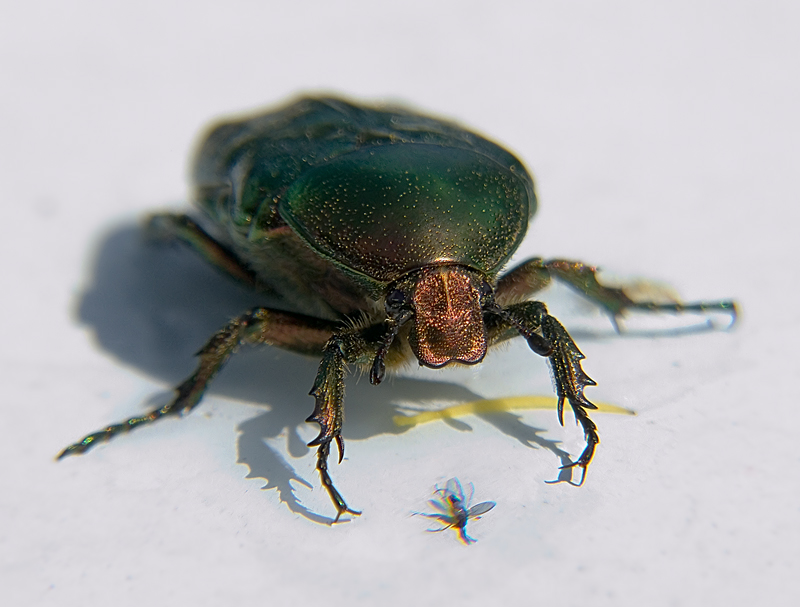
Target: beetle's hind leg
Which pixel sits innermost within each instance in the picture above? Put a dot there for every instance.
(168, 226)
(535, 274)
(547, 337)
(261, 325)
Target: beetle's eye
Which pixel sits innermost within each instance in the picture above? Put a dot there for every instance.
(395, 299)
(485, 289)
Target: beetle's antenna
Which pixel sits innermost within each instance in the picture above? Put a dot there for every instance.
(378, 371)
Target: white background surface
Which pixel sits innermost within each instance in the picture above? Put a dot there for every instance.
(664, 142)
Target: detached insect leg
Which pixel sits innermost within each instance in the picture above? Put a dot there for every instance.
(547, 337)
(166, 226)
(353, 346)
(261, 325)
(535, 274)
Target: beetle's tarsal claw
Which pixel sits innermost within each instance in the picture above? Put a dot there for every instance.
(336, 497)
(378, 371)
(573, 465)
(340, 447)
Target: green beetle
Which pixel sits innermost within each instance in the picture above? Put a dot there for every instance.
(383, 233)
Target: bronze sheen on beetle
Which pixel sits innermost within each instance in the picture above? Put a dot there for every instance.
(383, 233)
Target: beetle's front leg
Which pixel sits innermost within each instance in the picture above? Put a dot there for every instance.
(547, 337)
(328, 392)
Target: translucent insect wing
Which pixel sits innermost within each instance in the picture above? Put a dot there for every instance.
(441, 506)
(480, 509)
(454, 488)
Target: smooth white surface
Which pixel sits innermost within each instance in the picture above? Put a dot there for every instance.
(664, 142)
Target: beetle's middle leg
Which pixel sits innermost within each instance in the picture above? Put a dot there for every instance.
(547, 337)
(535, 274)
(292, 331)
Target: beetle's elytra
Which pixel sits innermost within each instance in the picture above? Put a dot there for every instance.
(383, 232)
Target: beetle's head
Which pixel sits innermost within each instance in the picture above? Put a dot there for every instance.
(444, 305)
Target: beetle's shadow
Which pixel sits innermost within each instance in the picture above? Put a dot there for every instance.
(153, 306)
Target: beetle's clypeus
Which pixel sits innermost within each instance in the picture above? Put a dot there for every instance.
(383, 232)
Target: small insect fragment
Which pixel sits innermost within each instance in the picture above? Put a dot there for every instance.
(454, 509)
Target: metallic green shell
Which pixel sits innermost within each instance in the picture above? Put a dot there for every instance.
(389, 209)
(377, 191)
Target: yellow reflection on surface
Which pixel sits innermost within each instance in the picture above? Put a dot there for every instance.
(494, 405)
